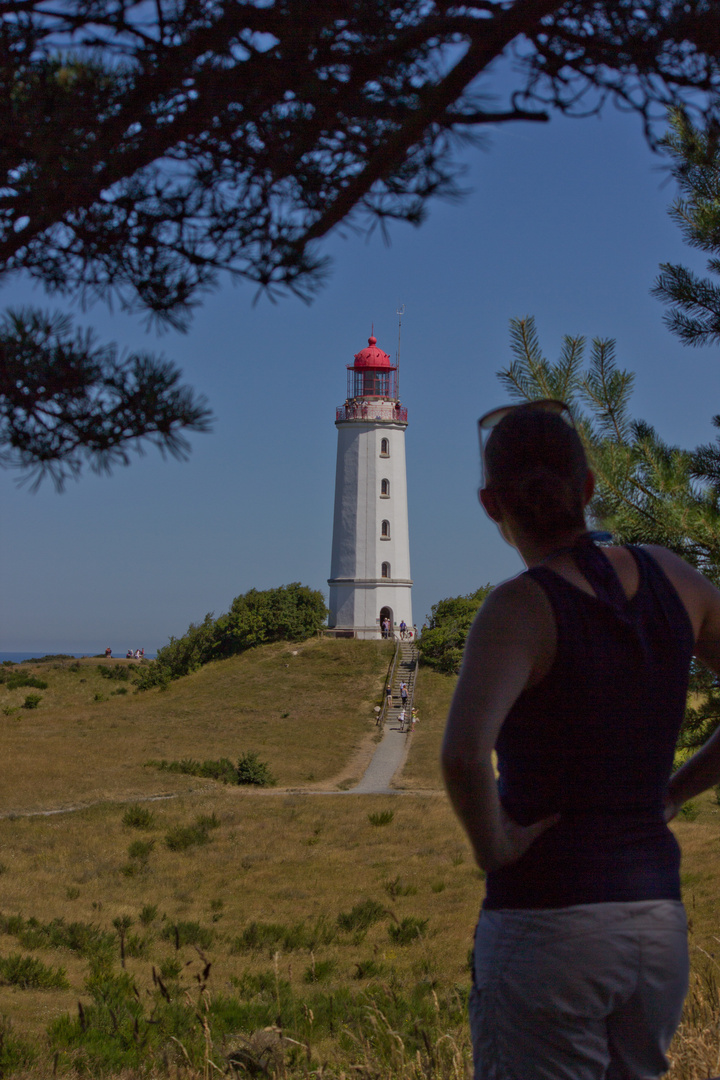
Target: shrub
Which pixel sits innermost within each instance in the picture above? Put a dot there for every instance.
(251, 770)
(182, 837)
(368, 969)
(407, 931)
(441, 644)
(188, 933)
(141, 849)
(17, 679)
(319, 971)
(383, 817)
(79, 937)
(32, 701)
(138, 817)
(15, 1052)
(116, 671)
(29, 973)
(259, 935)
(148, 914)
(362, 916)
(222, 770)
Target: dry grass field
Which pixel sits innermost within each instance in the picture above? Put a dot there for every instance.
(336, 927)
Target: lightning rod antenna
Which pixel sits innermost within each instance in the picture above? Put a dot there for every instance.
(400, 312)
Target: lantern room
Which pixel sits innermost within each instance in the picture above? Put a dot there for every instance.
(372, 375)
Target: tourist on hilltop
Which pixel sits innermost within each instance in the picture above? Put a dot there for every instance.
(108, 653)
(129, 654)
(575, 673)
(403, 628)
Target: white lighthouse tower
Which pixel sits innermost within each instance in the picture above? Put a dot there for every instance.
(370, 569)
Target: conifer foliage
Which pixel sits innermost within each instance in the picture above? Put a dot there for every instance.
(694, 301)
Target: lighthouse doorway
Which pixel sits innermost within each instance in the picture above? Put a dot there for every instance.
(386, 613)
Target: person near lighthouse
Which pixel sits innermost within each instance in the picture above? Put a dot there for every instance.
(575, 673)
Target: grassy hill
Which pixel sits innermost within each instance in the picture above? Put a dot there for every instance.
(337, 927)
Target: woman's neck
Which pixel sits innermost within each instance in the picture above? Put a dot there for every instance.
(535, 551)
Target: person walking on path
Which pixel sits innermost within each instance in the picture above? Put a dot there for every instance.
(414, 717)
(575, 673)
(401, 718)
(388, 696)
(403, 694)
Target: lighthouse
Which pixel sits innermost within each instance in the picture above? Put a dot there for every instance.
(370, 567)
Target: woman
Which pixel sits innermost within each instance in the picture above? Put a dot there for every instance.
(576, 674)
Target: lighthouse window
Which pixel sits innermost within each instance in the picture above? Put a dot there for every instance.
(386, 570)
(384, 489)
(384, 448)
(385, 530)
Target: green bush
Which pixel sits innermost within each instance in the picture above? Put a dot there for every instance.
(141, 849)
(382, 817)
(222, 770)
(138, 817)
(32, 701)
(407, 931)
(287, 937)
(319, 971)
(29, 973)
(148, 914)
(17, 679)
(188, 933)
(15, 1052)
(362, 916)
(182, 837)
(116, 671)
(251, 770)
(441, 644)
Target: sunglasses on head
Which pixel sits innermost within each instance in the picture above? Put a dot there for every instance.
(490, 420)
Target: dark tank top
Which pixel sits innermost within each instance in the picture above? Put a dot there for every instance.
(594, 742)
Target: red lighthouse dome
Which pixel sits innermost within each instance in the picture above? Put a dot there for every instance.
(372, 357)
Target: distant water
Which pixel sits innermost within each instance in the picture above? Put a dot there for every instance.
(19, 657)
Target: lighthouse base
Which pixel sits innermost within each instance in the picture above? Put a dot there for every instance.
(359, 607)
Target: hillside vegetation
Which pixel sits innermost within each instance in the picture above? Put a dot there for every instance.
(305, 708)
(236, 932)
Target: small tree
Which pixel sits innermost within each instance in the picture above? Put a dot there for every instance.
(442, 644)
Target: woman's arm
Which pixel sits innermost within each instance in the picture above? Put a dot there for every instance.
(510, 646)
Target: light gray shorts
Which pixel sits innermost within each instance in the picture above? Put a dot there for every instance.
(592, 992)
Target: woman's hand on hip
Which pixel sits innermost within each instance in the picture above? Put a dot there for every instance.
(514, 840)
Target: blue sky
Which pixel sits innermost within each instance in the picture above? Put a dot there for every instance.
(567, 221)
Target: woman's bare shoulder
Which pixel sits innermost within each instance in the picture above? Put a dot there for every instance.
(518, 604)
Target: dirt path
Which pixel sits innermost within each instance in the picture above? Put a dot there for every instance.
(388, 759)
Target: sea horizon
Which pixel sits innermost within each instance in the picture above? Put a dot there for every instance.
(38, 654)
